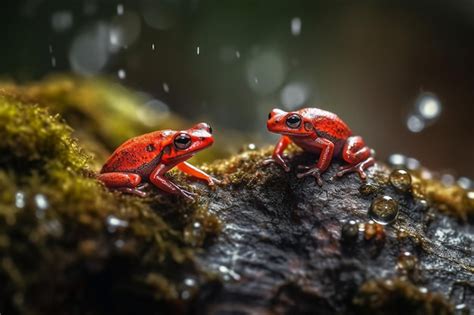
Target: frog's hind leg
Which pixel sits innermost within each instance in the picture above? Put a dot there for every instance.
(358, 155)
(125, 182)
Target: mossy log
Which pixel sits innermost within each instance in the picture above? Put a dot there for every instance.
(262, 242)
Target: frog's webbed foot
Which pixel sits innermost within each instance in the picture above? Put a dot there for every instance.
(279, 160)
(212, 181)
(311, 171)
(134, 191)
(359, 168)
(187, 194)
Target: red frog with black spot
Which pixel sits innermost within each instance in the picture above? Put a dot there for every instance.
(146, 158)
(320, 132)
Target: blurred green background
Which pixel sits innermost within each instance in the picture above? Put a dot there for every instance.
(400, 73)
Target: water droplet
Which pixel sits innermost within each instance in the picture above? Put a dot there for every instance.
(397, 160)
(252, 146)
(114, 223)
(448, 179)
(384, 210)
(152, 46)
(412, 164)
(122, 74)
(464, 182)
(406, 262)
(372, 229)
(237, 54)
(53, 62)
(350, 230)
(468, 199)
(166, 87)
(120, 9)
(415, 123)
(194, 234)
(296, 26)
(20, 201)
(401, 180)
(197, 50)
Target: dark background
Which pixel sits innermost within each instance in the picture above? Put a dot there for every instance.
(367, 61)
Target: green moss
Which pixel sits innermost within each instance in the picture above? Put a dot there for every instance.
(55, 216)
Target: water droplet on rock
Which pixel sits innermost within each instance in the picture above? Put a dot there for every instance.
(400, 179)
(350, 230)
(194, 234)
(406, 262)
(383, 210)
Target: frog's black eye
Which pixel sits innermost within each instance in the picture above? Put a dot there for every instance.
(182, 141)
(293, 121)
(210, 130)
(269, 115)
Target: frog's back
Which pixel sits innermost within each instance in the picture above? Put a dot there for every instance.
(327, 124)
(136, 152)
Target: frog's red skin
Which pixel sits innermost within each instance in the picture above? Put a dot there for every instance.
(323, 133)
(146, 158)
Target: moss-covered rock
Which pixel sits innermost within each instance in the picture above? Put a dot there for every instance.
(263, 241)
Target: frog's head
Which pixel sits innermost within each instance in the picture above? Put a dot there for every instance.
(289, 123)
(185, 143)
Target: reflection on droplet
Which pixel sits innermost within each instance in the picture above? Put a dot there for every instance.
(296, 26)
(89, 51)
(122, 74)
(20, 200)
(166, 87)
(415, 123)
(120, 9)
(61, 21)
(265, 71)
(384, 210)
(294, 95)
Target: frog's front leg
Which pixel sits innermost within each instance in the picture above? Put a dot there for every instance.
(325, 157)
(196, 172)
(126, 182)
(358, 155)
(159, 180)
(277, 156)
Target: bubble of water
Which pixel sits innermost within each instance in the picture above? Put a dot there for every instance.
(350, 230)
(400, 179)
(384, 210)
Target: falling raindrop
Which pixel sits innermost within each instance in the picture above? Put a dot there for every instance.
(53, 62)
(237, 54)
(400, 179)
(384, 210)
(120, 9)
(166, 87)
(152, 46)
(197, 50)
(296, 26)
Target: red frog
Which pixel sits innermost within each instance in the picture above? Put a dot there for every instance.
(148, 157)
(321, 132)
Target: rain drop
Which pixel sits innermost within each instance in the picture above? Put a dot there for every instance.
(296, 26)
(166, 88)
(400, 179)
(237, 54)
(384, 210)
(197, 50)
(152, 46)
(20, 200)
(120, 9)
